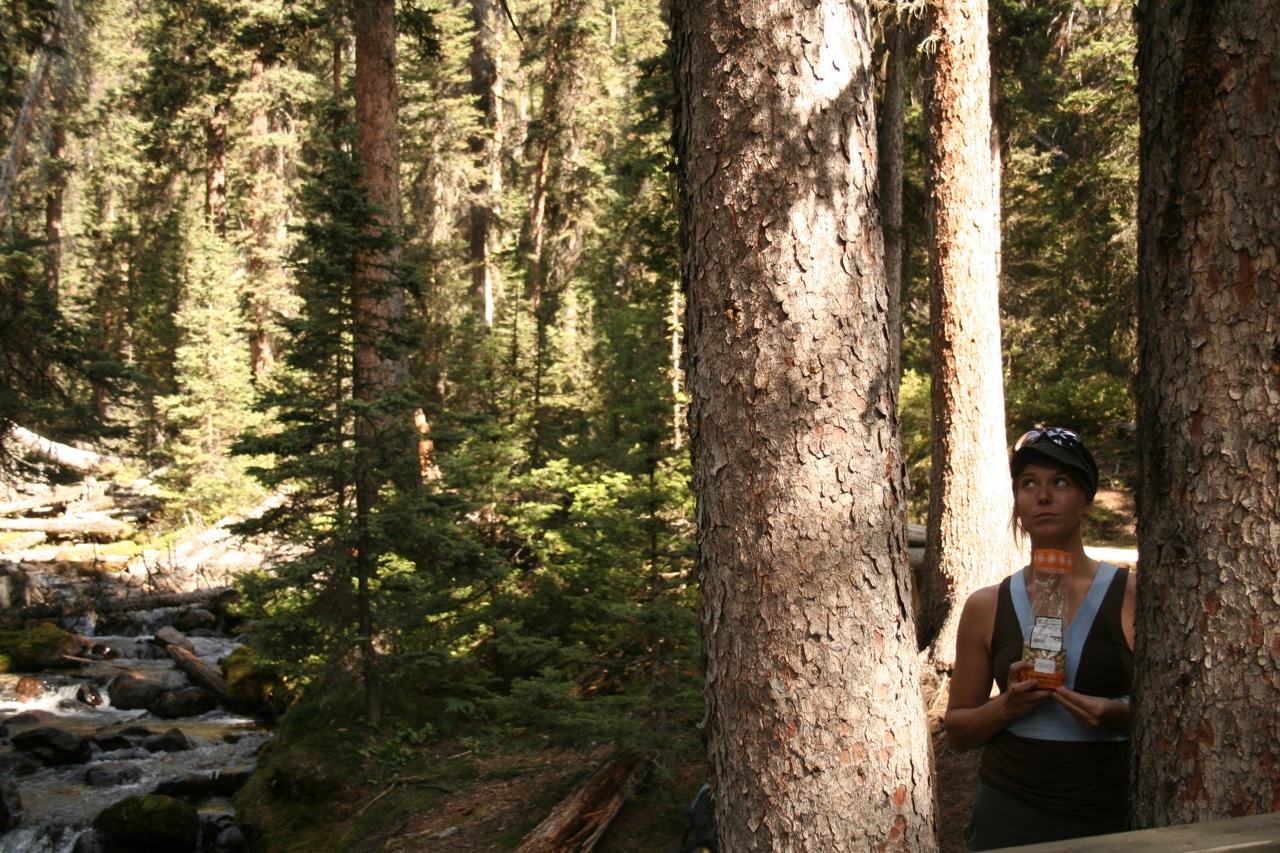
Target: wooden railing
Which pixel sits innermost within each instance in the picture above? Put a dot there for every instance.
(1254, 833)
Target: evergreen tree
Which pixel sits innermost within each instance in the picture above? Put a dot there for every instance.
(212, 406)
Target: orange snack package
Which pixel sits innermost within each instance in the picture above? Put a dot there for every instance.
(1046, 650)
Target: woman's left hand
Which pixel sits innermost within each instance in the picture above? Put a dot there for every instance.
(1094, 711)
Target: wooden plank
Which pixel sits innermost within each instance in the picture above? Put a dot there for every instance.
(1253, 833)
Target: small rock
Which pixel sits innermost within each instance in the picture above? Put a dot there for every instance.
(113, 742)
(26, 718)
(29, 688)
(105, 777)
(14, 764)
(89, 694)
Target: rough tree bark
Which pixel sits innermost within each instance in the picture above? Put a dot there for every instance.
(1207, 732)
(969, 498)
(379, 362)
(817, 733)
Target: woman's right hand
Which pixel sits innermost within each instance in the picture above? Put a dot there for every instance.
(1022, 697)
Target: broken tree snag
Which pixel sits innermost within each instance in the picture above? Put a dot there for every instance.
(576, 824)
(201, 674)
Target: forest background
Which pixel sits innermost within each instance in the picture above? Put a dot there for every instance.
(182, 220)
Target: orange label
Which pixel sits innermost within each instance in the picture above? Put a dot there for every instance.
(1045, 680)
(1051, 560)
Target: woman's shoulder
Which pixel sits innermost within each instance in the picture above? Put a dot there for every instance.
(983, 599)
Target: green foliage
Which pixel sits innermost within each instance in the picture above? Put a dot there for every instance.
(212, 406)
(915, 408)
(1070, 204)
(255, 686)
(46, 360)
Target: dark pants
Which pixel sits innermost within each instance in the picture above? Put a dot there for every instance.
(1002, 820)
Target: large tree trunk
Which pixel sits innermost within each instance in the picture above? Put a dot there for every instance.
(1207, 731)
(818, 738)
(380, 366)
(969, 497)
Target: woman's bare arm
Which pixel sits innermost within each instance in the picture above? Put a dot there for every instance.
(973, 715)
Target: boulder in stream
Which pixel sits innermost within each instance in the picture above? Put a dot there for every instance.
(174, 740)
(131, 691)
(34, 649)
(170, 636)
(195, 618)
(105, 777)
(186, 702)
(150, 824)
(53, 746)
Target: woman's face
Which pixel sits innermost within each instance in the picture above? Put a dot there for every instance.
(1049, 504)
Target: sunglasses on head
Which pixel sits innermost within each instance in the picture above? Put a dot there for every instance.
(1062, 437)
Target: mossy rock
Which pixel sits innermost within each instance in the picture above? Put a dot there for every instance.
(151, 824)
(39, 648)
(254, 687)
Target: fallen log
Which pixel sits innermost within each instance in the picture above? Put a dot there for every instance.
(576, 824)
(201, 674)
(85, 461)
(93, 527)
(22, 615)
(163, 599)
(59, 499)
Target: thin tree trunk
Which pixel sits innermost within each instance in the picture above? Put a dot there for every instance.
(486, 146)
(892, 157)
(265, 211)
(18, 140)
(54, 197)
(969, 497)
(817, 734)
(215, 180)
(1206, 738)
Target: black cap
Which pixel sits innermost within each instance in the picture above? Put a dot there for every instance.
(1074, 458)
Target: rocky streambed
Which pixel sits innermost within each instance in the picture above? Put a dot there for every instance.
(118, 729)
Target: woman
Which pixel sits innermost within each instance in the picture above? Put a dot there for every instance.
(1055, 763)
